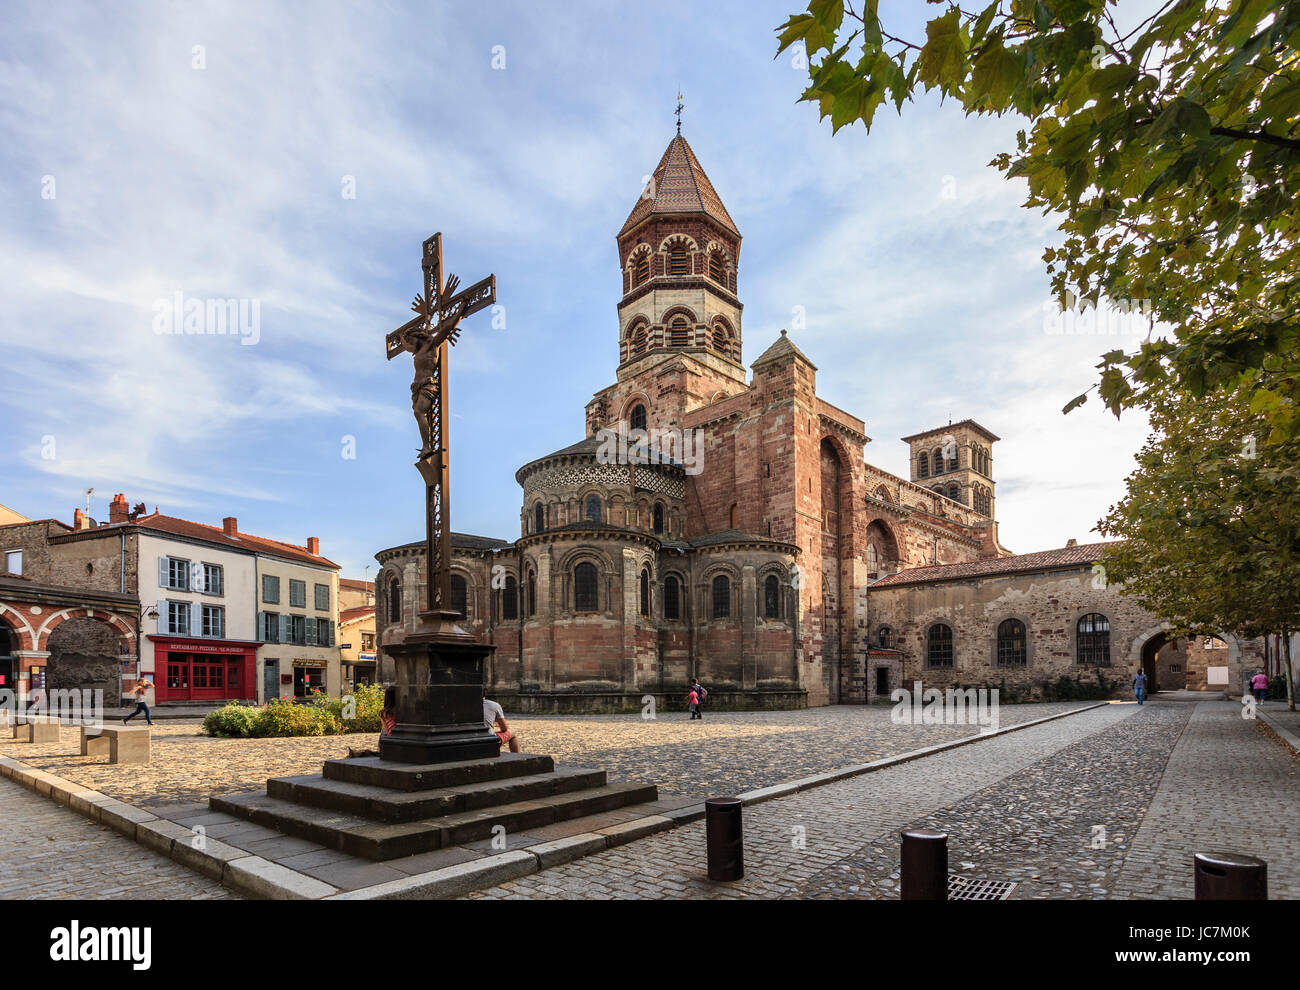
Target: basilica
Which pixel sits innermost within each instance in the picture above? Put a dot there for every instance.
(763, 553)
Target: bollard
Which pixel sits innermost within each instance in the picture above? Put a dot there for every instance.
(724, 838)
(924, 865)
(1230, 877)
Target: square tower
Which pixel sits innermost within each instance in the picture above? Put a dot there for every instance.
(956, 461)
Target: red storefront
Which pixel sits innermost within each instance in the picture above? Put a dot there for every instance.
(203, 669)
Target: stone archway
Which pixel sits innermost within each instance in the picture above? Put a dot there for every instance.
(85, 654)
(1142, 652)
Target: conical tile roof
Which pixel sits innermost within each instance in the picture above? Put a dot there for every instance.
(679, 185)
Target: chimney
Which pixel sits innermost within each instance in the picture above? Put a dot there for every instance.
(313, 546)
(1072, 542)
(79, 520)
(118, 510)
(230, 526)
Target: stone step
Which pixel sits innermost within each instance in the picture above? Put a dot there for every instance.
(423, 777)
(368, 839)
(384, 804)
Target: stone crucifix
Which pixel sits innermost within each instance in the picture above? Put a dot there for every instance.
(439, 310)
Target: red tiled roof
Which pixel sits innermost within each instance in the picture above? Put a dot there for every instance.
(1043, 560)
(352, 614)
(679, 185)
(242, 541)
(352, 584)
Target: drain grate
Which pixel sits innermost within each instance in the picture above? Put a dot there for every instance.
(966, 889)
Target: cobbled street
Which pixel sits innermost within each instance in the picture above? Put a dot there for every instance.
(1109, 803)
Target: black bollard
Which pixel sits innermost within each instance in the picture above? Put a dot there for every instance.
(724, 838)
(924, 865)
(1230, 877)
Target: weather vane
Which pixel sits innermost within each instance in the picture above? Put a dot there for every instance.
(679, 111)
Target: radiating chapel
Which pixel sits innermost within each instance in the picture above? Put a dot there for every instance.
(775, 563)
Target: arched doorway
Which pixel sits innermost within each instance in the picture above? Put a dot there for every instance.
(1151, 660)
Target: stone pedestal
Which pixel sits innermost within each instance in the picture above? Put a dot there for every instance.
(439, 670)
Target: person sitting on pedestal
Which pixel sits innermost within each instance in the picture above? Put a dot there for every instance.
(496, 721)
(387, 719)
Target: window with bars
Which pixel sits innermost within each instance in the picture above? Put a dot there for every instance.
(679, 332)
(1012, 643)
(1093, 639)
(672, 598)
(459, 596)
(637, 417)
(771, 597)
(923, 465)
(885, 638)
(640, 339)
(936, 460)
(585, 597)
(679, 260)
(721, 339)
(641, 268)
(722, 597)
(938, 646)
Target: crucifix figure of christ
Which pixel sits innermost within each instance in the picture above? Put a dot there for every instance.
(436, 326)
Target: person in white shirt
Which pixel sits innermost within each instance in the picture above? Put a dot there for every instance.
(496, 721)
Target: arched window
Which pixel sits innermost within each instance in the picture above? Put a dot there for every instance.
(672, 598)
(721, 339)
(731, 516)
(679, 332)
(938, 646)
(718, 267)
(641, 267)
(1093, 637)
(659, 517)
(873, 559)
(954, 493)
(636, 418)
(532, 593)
(585, 597)
(645, 592)
(510, 599)
(1012, 649)
(459, 596)
(721, 597)
(679, 259)
(937, 459)
(539, 517)
(640, 339)
(772, 597)
(593, 508)
(885, 638)
(923, 465)
(394, 601)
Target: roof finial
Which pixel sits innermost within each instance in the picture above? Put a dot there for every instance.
(680, 105)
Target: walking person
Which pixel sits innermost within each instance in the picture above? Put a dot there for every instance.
(1259, 684)
(693, 702)
(139, 692)
(1140, 686)
(701, 693)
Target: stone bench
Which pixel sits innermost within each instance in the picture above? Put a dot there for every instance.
(121, 744)
(33, 729)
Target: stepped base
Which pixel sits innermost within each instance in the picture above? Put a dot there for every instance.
(380, 810)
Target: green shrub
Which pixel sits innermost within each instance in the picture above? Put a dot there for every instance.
(233, 719)
(284, 718)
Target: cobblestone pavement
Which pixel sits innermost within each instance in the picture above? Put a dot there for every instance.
(1229, 786)
(721, 754)
(791, 840)
(53, 853)
(1164, 781)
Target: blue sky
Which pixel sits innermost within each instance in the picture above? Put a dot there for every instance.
(919, 272)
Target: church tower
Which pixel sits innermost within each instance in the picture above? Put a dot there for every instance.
(956, 461)
(679, 318)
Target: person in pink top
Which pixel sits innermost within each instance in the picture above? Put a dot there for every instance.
(693, 703)
(1259, 684)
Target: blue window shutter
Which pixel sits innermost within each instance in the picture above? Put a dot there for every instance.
(196, 619)
(163, 628)
(331, 622)
(162, 572)
(261, 626)
(283, 628)
(310, 627)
